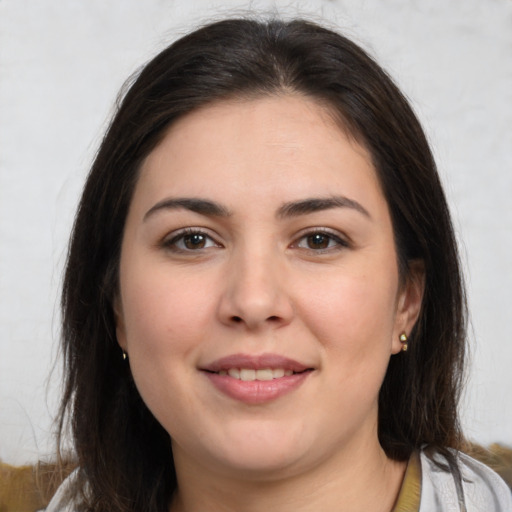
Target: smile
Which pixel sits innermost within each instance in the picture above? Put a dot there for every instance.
(256, 379)
(249, 374)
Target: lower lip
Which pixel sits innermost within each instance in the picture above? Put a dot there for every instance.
(257, 391)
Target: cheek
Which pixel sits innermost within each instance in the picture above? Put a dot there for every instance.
(352, 315)
(165, 312)
(354, 324)
(165, 324)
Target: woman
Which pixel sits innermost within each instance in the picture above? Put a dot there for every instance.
(263, 307)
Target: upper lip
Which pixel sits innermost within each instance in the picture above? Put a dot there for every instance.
(255, 362)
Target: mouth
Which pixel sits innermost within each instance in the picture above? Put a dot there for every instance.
(264, 374)
(256, 379)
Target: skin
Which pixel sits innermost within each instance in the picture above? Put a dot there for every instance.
(321, 287)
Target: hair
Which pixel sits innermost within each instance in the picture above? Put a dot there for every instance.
(123, 453)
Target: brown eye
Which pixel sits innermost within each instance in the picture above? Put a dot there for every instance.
(190, 240)
(195, 241)
(321, 241)
(318, 241)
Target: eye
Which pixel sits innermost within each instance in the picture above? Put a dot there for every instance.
(190, 240)
(320, 241)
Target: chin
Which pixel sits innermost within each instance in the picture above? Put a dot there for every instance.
(261, 454)
(262, 466)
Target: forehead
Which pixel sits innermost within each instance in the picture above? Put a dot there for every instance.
(272, 147)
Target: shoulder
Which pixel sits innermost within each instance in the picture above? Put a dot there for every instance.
(481, 489)
(64, 499)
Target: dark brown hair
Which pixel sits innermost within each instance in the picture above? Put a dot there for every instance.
(123, 453)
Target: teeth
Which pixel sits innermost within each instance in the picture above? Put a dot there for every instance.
(248, 374)
(234, 372)
(264, 375)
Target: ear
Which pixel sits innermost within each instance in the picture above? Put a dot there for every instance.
(119, 319)
(409, 302)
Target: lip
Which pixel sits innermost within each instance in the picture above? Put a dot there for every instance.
(255, 362)
(257, 391)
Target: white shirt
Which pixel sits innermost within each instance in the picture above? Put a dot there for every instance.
(484, 490)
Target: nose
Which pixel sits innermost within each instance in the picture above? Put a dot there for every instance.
(255, 295)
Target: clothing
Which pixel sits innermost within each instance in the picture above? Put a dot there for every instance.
(426, 488)
(484, 490)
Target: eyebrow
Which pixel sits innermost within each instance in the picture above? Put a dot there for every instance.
(290, 209)
(201, 206)
(312, 205)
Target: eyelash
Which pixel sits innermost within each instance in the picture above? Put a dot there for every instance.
(334, 240)
(339, 242)
(182, 235)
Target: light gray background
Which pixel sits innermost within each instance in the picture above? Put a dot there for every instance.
(61, 65)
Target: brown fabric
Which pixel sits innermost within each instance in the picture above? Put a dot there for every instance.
(496, 456)
(30, 488)
(410, 492)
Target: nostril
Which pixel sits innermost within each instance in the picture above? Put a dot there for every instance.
(238, 319)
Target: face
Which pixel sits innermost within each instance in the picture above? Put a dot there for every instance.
(260, 300)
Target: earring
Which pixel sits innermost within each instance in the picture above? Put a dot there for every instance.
(403, 341)
(125, 356)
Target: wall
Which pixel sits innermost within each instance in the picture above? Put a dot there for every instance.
(61, 65)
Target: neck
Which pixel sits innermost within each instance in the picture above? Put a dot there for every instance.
(364, 479)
